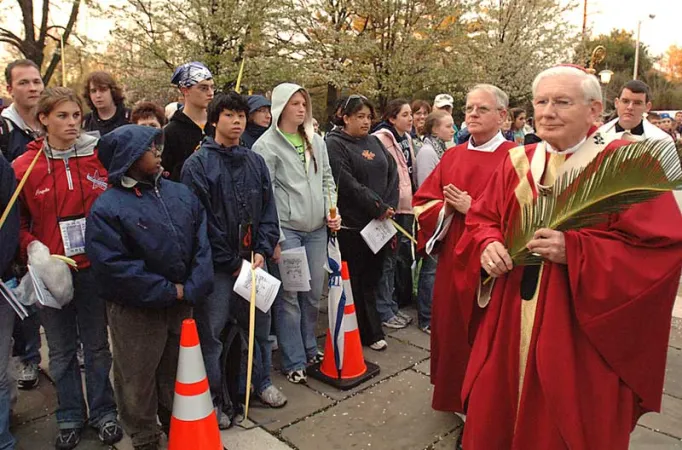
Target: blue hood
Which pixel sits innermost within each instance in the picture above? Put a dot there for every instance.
(235, 152)
(119, 149)
(256, 102)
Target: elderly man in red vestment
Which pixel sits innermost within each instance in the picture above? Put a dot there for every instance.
(569, 354)
(440, 206)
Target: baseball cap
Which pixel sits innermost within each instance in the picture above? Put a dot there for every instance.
(665, 116)
(442, 100)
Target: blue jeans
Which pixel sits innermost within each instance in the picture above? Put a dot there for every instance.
(27, 337)
(395, 285)
(6, 326)
(427, 278)
(212, 316)
(295, 313)
(84, 316)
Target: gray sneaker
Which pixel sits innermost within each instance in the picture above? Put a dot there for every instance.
(273, 397)
(224, 422)
(405, 317)
(28, 376)
(395, 322)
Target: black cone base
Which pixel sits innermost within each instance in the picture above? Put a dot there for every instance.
(343, 384)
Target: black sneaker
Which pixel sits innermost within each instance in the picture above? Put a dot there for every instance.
(68, 438)
(110, 432)
(297, 377)
(317, 359)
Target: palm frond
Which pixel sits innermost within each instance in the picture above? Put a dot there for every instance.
(609, 184)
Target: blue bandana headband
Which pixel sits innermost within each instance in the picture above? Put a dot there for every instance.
(187, 75)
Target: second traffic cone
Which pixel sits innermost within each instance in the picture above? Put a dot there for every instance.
(194, 424)
(354, 369)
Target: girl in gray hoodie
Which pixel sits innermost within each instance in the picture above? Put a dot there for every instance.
(304, 190)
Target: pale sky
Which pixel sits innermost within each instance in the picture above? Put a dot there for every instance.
(659, 33)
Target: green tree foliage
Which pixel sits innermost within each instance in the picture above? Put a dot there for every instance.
(513, 40)
(159, 35)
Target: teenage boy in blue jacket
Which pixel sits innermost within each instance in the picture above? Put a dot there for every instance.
(233, 183)
(147, 241)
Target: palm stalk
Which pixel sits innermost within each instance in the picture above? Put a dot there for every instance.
(609, 184)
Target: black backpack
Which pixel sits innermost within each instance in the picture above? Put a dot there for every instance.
(235, 347)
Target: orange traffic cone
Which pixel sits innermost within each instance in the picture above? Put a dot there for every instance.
(354, 369)
(194, 424)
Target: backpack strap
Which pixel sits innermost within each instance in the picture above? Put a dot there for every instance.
(5, 130)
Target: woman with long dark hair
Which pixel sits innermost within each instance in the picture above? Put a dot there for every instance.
(518, 124)
(396, 281)
(367, 179)
(420, 109)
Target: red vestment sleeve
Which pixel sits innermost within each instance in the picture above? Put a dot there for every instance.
(623, 281)
(486, 217)
(427, 203)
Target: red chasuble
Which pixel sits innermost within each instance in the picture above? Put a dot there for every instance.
(577, 365)
(468, 170)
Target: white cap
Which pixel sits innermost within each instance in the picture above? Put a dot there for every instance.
(170, 109)
(442, 100)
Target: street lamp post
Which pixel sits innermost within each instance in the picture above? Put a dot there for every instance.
(639, 26)
(605, 78)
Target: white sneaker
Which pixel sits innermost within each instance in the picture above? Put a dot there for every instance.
(406, 317)
(395, 322)
(273, 397)
(379, 345)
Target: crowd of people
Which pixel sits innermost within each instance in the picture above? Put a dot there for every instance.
(160, 207)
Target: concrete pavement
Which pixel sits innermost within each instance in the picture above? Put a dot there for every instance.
(391, 411)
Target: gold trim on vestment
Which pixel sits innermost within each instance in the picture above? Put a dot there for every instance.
(528, 308)
(419, 210)
(524, 193)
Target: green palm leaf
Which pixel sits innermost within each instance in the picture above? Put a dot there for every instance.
(609, 184)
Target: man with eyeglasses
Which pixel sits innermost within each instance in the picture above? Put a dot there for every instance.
(569, 353)
(632, 103)
(441, 207)
(186, 128)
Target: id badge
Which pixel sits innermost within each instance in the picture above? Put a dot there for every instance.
(245, 240)
(73, 235)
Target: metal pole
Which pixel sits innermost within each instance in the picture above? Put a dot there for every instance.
(63, 56)
(634, 74)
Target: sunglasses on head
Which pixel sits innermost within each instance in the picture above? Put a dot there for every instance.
(353, 97)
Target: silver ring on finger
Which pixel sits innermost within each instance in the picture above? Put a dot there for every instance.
(491, 264)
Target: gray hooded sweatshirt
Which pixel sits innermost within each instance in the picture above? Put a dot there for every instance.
(302, 197)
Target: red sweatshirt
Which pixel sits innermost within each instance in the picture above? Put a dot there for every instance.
(63, 185)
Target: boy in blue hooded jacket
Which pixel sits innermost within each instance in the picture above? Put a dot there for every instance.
(147, 241)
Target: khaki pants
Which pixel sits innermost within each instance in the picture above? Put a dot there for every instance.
(145, 344)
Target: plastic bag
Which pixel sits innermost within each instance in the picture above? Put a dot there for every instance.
(55, 274)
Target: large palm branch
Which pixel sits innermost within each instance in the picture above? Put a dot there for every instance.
(609, 184)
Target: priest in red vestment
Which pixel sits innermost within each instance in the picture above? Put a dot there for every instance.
(569, 354)
(440, 206)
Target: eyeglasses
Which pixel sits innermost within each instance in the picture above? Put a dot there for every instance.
(482, 110)
(558, 103)
(353, 97)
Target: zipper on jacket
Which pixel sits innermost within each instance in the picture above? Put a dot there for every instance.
(168, 216)
(68, 174)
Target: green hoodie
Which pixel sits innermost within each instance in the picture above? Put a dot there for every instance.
(302, 197)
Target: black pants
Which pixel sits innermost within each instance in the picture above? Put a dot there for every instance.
(365, 272)
(403, 262)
